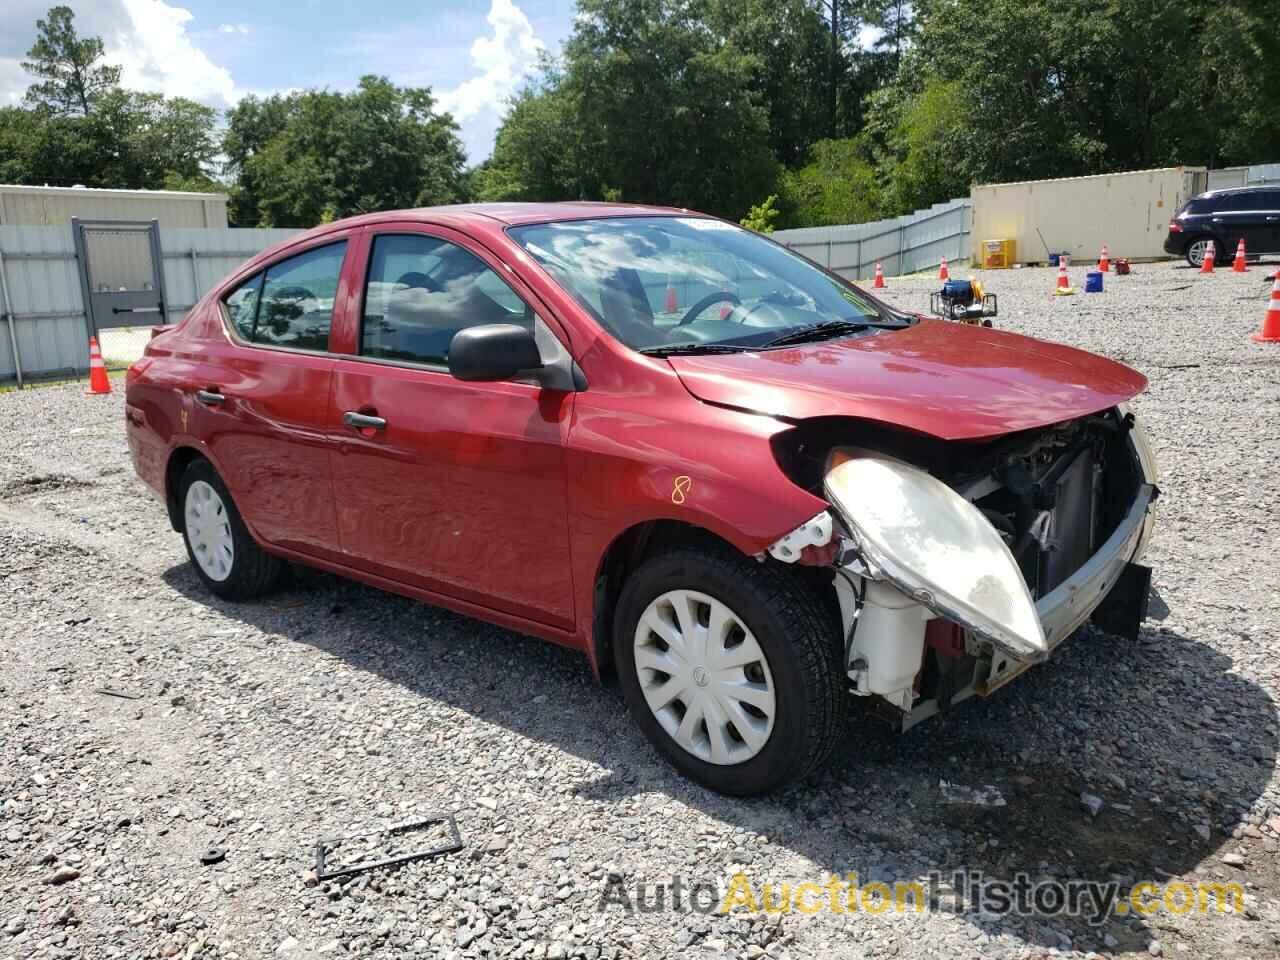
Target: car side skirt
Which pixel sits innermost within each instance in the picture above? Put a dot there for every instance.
(533, 628)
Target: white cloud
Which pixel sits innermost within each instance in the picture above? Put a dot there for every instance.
(233, 28)
(148, 39)
(502, 58)
(155, 52)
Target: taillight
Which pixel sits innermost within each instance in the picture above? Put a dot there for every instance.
(1175, 226)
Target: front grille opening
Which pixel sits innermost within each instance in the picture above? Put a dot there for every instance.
(1061, 496)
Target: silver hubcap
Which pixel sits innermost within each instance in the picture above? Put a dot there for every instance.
(209, 530)
(705, 677)
(1199, 249)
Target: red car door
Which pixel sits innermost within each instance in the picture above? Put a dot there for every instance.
(262, 396)
(454, 487)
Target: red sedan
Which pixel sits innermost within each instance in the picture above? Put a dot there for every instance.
(749, 488)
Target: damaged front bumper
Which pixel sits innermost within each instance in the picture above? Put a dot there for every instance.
(888, 606)
(1069, 604)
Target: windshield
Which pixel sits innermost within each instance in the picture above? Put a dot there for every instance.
(667, 283)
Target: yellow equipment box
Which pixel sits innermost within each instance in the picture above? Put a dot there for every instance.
(997, 254)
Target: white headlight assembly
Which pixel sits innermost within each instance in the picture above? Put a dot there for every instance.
(937, 547)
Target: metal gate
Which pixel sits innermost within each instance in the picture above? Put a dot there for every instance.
(121, 272)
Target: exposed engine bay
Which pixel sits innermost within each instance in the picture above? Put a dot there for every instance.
(958, 565)
(1055, 496)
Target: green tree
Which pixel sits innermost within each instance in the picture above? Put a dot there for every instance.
(790, 42)
(650, 105)
(71, 79)
(838, 185)
(762, 216)
(319, 155)
(539, 152)
(143, 140)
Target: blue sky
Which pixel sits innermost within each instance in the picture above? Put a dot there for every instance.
(472, 53)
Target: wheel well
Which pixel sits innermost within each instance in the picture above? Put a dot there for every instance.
(635, 545)
(179, 460)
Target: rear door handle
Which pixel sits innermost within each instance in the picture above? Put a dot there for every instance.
(210, 398)
(363, 421)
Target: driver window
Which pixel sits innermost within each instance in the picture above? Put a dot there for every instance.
(422, 290)
(296, 307)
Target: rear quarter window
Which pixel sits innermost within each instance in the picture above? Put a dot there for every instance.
(242, 306)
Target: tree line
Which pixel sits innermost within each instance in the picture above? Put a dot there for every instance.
(779, 111)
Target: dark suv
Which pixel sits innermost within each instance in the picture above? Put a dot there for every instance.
(1223, 217)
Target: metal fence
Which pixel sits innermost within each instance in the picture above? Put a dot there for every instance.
(42, 283)
(902, 245)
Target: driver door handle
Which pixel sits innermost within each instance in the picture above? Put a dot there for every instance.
(210, 398)
(363, 421)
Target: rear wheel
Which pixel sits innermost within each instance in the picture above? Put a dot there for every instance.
(1197, 249)
(225, 556)
(730, 667)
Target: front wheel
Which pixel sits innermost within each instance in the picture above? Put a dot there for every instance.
(225, 556)
(730, 667)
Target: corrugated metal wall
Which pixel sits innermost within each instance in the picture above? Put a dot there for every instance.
(53, 206)
(194, 260)
(46, 318)
(903, 245)
(43, 282)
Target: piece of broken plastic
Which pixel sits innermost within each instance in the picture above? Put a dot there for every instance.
(984, 795)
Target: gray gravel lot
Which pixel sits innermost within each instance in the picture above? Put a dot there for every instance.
(330, 707)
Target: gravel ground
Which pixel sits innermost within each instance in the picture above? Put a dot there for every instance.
(330, 708)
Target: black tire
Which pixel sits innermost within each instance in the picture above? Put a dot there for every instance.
(799, 635)
(1186, 251)
(254, 572)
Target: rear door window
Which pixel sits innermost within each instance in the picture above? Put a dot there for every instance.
(1240, 202)
(296, 308)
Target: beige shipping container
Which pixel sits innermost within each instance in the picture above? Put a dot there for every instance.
(1129, 212)
(55, 206)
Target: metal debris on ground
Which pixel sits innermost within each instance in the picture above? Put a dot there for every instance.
(386, 848)
(122, 694)
(982, 796)
(213, 855)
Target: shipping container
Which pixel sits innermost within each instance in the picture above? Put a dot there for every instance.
(1129, 212)
(55, 206)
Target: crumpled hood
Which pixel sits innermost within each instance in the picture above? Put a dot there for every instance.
(950, 380)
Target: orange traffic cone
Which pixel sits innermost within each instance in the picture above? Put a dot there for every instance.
(1237, 265)
(670, 302)
(879, 281)
(1270, 332)
(98, 382)
(1104, 261)
(943, 272)
(1206, 266)
(1064, 283)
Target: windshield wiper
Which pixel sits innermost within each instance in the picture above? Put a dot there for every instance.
(681, 349)
(820, 331)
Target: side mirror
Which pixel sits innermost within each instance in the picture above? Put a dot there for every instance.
(493, 351)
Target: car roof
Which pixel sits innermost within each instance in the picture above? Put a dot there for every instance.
(507, 214)
(1231, 191)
